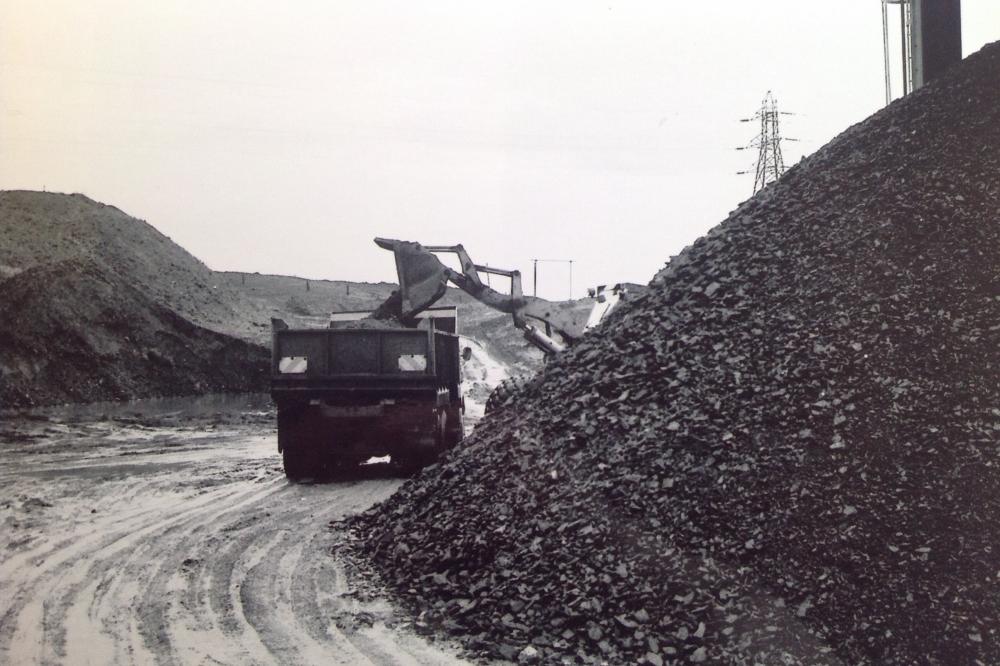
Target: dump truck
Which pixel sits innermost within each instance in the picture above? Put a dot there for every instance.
(388, 382)
(347, 394)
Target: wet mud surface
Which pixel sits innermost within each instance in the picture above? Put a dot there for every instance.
(169, 535)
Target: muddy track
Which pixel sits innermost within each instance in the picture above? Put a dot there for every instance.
(140, 544)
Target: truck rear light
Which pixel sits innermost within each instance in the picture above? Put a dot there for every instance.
(293, 365)
(412, 362)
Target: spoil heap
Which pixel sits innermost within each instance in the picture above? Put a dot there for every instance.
(40, 228)
(74, 331)
(98, 305)
(785, 452)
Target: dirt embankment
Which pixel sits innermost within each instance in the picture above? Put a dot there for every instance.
(99, 305)
(73, 331)
(785, 452)
(39, 228)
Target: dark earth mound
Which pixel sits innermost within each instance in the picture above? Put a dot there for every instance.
(73, 331)
(37, 228)
(787, 451)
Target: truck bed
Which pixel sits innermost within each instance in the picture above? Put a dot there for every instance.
(344, 395)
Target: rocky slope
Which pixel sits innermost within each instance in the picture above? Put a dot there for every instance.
(38, 228)
(785, 452)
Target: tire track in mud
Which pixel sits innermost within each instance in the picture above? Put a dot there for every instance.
(203, 556)
(60, 571)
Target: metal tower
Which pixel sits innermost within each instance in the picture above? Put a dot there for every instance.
(905, 43)
(930, 41)
(770, 163)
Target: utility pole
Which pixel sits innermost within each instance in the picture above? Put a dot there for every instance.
(770, 162)
(534, 290)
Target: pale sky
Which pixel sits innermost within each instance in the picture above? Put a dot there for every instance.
(282, 137)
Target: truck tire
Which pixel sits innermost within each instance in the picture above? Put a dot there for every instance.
(410, 462)
(297, 464)
(441, 436)
(293, 441)
(339, 465)
(417, 454)
(454, 429)
(288, 422)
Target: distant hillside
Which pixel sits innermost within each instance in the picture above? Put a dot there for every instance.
(39, 228)
(98, 305)
(298, 301)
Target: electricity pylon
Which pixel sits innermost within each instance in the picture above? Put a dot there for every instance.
(770, 163)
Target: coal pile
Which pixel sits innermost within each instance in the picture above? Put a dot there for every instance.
(787, 451)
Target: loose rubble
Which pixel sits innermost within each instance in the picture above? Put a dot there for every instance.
(785, 452)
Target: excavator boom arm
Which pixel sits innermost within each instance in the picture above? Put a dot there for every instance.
(423, 280)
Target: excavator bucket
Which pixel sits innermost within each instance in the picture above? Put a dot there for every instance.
(423, 279)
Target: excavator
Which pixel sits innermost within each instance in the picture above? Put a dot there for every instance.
(423, 280)
(389, 382)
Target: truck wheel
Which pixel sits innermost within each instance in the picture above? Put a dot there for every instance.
(343, 466)
(441, 436)
(413, 459)
(289, 416)
(455, 431)
(298, 466)
(408, 464)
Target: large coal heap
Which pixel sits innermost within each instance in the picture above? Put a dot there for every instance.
(787, 451)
